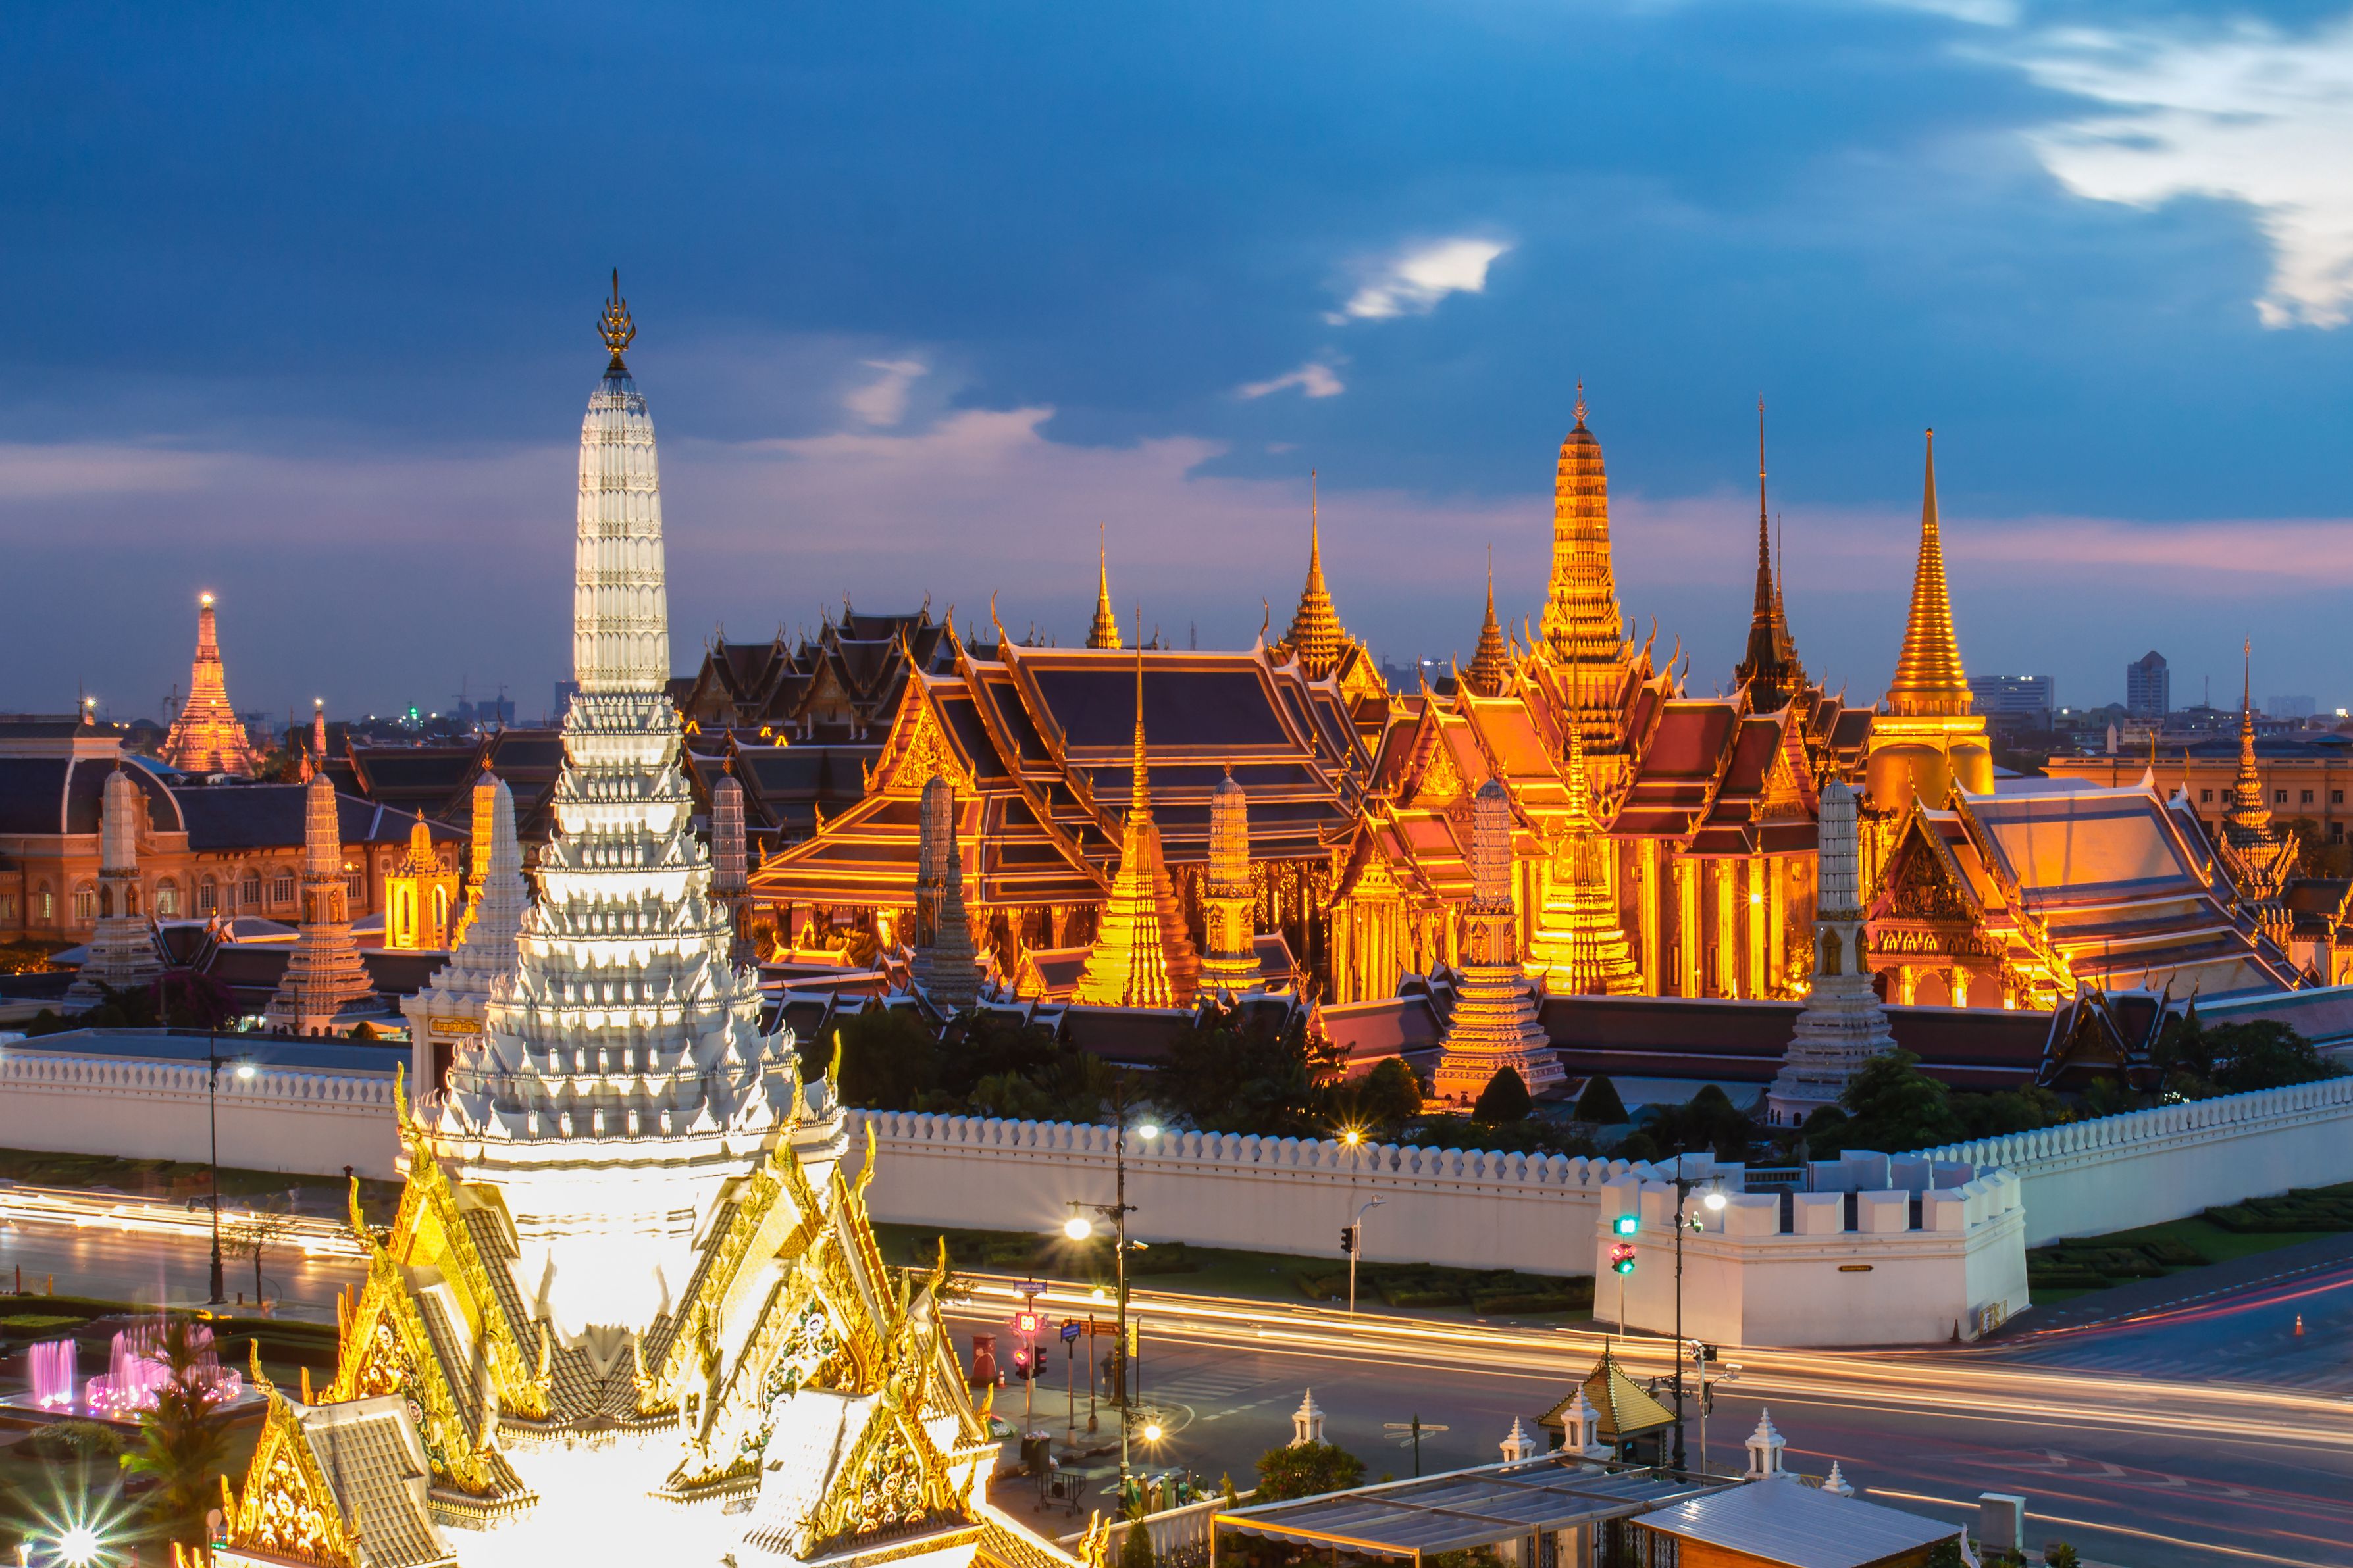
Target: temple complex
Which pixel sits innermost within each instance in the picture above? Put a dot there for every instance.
(631, 1308)
(207, 735)
(324, 988)
(1927, 740)
(1579, 948)
(2261, 857)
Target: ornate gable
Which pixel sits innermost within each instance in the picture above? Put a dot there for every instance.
(287, 1511)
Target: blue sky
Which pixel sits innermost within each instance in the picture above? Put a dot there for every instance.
(302, 300)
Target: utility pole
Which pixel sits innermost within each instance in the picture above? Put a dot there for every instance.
(1354, 1238)
(1079, 1228)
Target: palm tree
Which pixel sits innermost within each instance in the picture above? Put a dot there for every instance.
(182, 1441)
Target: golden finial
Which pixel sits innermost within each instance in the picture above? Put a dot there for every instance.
(615, 326)
(1580, 403)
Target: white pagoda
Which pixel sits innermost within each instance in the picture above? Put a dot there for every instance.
(632, 1309)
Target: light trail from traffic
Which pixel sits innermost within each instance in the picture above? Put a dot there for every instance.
(1957, 1384)
(71, 1209)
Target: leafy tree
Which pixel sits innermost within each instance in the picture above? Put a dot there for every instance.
(182, 1441)
(1708, 1121)
(1892, 1107)
(1135, 1546)
(2023, 1109)
(2060, 1554)
(1600, 1103)
(889, 1060)
(189, 1000)
(1533, 1135)
(1306, 1470)
(2200, 1062)
(1380, 1104)
(1506, 1099)
(362, 1030)
(253, 1234)
(1247, 1072)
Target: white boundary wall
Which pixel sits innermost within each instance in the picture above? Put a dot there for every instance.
(2089, 1178)
(1467, 1209)
(302, 1121)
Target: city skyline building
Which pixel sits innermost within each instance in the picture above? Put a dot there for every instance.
(2149, 687)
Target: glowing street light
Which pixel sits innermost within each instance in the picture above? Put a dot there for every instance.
(80, 1547)
(1078, 1227)
(1714, 1203)
(1152, 1431)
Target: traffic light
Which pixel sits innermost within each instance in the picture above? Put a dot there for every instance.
(1348, 1238)
(1621, 1258)
(1626, 1224)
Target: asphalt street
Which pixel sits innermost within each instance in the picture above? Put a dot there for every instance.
(2209, 1432)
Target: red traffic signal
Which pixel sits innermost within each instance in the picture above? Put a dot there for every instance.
(1621, 1258)
(1027, 1323)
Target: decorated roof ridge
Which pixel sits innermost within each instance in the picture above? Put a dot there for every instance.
(1104, 633)
(1930, 679)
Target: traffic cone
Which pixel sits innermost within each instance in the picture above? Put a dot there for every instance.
(2299, 1325)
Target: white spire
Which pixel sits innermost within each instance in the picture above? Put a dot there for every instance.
(1307, 1421)
(622, 1078)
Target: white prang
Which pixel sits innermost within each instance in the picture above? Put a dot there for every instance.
(624, 1077)
(1842, 1025)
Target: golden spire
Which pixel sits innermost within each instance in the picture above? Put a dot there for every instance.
(2248, 815)
(1104, 631)
(1929, 679)
(1770, 671)
(1316, 636)
(1579, 944)
(1581, 623)
(1141, 956)
(1490, 663)
(615, 326)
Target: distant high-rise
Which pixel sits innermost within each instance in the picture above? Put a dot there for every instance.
(2149, 687)
(2290, 706)
(2015, 699)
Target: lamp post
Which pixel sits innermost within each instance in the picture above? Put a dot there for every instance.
(212, 1062)
(1713, 1202)
(1078, 1227)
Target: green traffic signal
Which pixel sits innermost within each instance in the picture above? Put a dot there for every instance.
(1626, 1224)
(1623, 1266)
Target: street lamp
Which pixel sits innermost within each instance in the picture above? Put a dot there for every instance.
(213, 1062)
(1078, 1227)
(1713, 1202)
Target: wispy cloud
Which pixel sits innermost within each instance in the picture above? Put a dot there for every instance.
(1313, 379)
(2242, 111)
(1412, 281)
(883, 402)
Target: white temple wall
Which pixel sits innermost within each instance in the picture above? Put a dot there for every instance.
(302, 1122)
(1745, 1282)
(2090, 1178)
(1464, 1208)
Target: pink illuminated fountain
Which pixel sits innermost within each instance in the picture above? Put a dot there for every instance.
(55, 1368)
(136, 1372)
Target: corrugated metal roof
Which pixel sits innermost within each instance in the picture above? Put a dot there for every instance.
(1463, 1510)
(1787, 1522)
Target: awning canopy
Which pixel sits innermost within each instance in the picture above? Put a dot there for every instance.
(1464, 1508)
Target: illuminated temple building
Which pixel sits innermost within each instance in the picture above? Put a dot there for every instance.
(632, 1309)
(1663, 844)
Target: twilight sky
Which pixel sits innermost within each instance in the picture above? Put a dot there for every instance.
(302, 300)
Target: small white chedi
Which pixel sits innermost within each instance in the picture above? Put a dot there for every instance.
(632, 1309)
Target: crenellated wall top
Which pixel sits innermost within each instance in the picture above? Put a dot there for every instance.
(2226, 1115)
(1197, 1151)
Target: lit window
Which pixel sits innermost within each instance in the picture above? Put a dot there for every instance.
(85, 904)
(45, 904)
(248, 892)
(207, 896)
(167, 900)
(8, 908)
(356, 886)
(2308, 797)
(2205, 797)
(2279, 797)
(281, 887)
